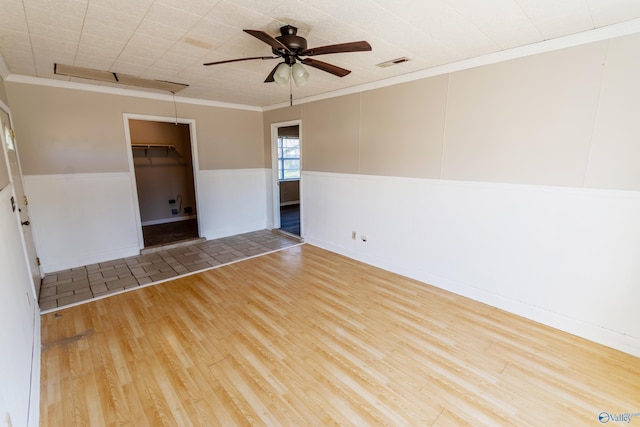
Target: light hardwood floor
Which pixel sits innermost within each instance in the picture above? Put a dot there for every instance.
(306, 337)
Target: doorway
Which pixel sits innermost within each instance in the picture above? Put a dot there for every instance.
(162, 158)
(20, 203)
(286, 144)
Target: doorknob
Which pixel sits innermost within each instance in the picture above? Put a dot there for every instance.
(25, 223)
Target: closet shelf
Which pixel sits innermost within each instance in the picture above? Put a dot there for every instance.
(153, 146)
(147, 147)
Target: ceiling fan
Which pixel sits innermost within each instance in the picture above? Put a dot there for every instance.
(290, 47)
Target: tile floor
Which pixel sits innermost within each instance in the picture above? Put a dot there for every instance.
(85, 283)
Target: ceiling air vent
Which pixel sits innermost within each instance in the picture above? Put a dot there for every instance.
(392, 62)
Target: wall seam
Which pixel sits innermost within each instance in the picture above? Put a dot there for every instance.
(444, 124)
(596, 116)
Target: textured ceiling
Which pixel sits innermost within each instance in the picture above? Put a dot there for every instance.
(170, 39)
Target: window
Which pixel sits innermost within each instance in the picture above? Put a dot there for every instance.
(288, 158)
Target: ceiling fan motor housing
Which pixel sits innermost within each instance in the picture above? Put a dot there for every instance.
(289, 46)
(289, 38)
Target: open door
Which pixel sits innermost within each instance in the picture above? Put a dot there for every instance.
(163, 159)
(8, 140)
(287, 166)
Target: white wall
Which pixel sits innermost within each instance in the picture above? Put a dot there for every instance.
(232, 201)
(566, 257)
(81, 219)
(19, 325)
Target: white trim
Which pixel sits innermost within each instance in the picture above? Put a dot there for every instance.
(169, 220)
(587, 191)
(132, 181)
(591, 36)
(132, 175)
(39, 81)
(6, 109)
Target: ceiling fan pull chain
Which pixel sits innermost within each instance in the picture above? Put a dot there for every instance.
(290, 94)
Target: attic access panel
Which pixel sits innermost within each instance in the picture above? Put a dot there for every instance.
(110, 77)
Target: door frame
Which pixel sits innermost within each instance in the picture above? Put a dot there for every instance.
(275, 182)
(27, 246)
(132, 172)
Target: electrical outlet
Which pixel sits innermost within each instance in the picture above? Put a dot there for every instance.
(174, 211)
(353, 235)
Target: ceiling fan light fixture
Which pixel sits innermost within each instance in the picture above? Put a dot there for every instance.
(299, 74)
(282, 74)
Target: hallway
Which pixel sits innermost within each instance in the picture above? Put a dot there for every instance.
(69, 287)
(290, 219)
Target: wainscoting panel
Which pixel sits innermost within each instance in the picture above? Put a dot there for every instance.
(566, 257)
(81, 219)
(232, 201)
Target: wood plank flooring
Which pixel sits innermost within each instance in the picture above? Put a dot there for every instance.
(306, 337)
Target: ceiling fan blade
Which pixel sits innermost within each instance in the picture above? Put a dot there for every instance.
(329, 68)
(360, 46)
(261, 35)
(269, 78)
(240, 59)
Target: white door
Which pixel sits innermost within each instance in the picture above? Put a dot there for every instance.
(21, 201)
(18, 313)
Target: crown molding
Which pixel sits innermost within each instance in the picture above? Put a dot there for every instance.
(599, 34)
(64, 84)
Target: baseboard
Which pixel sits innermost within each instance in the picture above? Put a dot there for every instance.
(168, 220)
